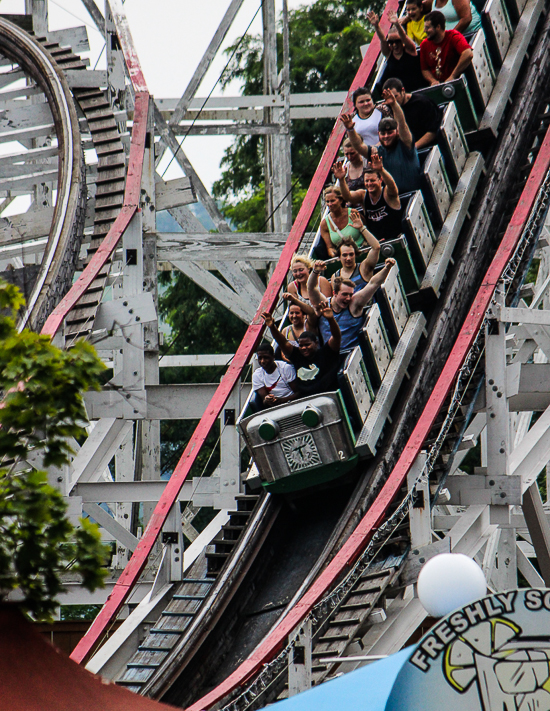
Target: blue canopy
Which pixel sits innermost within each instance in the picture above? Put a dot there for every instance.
(365, 689)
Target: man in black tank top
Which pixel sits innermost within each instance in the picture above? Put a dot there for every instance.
(380, 198)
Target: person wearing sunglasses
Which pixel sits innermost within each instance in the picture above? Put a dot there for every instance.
(402, 59)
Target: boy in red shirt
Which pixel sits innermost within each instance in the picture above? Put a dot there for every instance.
(444, 54)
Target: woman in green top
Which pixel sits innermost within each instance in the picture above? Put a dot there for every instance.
(340, 222)
(460, 15)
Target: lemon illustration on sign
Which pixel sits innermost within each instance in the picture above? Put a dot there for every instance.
(308, 373)
(486, 639)
(526, 671)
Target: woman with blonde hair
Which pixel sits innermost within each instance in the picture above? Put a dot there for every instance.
(341, 221)
(301, 266)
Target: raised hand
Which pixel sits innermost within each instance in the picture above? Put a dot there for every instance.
(356, 220)
(338, 170)
(325, 310)
(376, 161)
(347, 120)
(389, 98)
(390, 261)
(319, 266)
(268, 319)
(392, 17)
(373, 18)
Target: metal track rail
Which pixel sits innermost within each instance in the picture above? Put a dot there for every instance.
(252, 337)
(62, 249)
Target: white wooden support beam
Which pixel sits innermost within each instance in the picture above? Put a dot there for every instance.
(185, 361)
(243, 279)
(230, 449)
(172, 538)
(495, 395)
(107, 522)
(95, 14)
(174, 193)
(97, 451)
(539, 528)
(528, 571)
(156, 402)
(115, 60)
(171, 141)
(124, 472)
(299, 660)
(484, 489)
(504, 575)
(535, 317)
(205, 62)
(125, 312)
(238, 305)
(498, 435)
(528, 460)
(419, 512)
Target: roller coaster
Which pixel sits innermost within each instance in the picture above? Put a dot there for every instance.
(280, 593)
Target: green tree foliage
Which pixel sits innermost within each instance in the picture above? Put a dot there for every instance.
(41, 410)
(325, 38)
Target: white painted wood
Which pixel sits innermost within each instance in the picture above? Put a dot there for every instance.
(82, 79)
(528, 571)
(98, 450)
(113, 654)
(184, 361)
(525, 316)
(173, 193)
(221, 292)
(107, 522)
(74, 37)
(206, 60)
(533, 454)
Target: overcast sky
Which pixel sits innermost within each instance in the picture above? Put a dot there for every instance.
(171, 37)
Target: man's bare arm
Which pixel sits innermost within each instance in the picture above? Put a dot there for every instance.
(429, 77)
(282, 342)
(405, 134)
(362, 297)
(464, 61)
(353, 196)
(427, 139)
(313, 291)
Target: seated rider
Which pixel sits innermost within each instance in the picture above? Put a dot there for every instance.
(300, 266)
(381, 204)
(316, 366)
(274, 382)
(299, 323)
(347, 305)
(359, 274)
(396, 148)
(340, 222)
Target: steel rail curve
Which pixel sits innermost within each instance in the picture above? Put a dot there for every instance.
(68, 221)
(376, 514)
(247, 347)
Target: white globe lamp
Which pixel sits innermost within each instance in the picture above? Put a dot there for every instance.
(448, 581)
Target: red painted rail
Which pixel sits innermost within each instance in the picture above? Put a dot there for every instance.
(133, 179)
(247, 347)
(378, 511)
